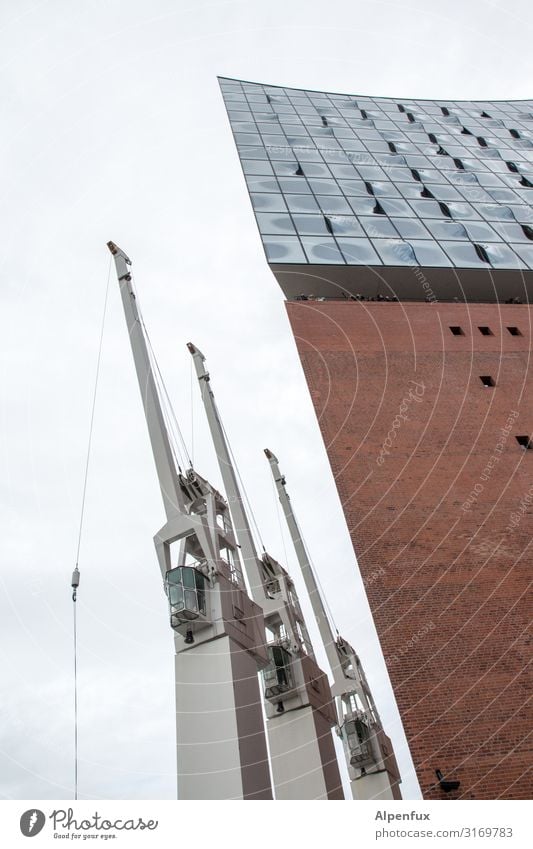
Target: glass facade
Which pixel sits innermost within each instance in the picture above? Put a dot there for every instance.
(349, 180)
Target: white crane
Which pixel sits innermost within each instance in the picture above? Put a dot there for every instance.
(219, 631)
(369, 753)
(298, 701)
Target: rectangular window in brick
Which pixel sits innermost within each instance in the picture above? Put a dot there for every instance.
(485, 331)
(487, 380)
(457, 331)
(514, 331)
(524, 441)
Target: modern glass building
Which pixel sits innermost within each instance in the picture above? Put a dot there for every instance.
(401, 233)
(381, 184)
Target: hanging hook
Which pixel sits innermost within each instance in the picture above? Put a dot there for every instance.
(75, 582)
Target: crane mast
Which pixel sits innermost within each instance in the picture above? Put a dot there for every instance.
(219, 632)
(369, 754)
(298, 701)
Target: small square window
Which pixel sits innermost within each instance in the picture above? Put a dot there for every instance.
(457, 331)
(525, 442)
(485, 331)
(514, 331)
(487, 380)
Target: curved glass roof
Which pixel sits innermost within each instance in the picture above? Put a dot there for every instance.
(336, 179)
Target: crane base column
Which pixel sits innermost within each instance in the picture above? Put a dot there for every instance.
(220, 733)
(303, 757)
(375, 786)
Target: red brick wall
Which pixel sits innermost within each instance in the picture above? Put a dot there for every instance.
(441, 524)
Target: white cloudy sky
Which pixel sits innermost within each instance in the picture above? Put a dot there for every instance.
(114, 128)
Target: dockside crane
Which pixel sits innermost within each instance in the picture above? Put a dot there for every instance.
(298, 701)
(219, 631)
(368, 750)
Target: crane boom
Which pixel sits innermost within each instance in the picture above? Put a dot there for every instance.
(369, 754)
(240, 518)
(219, 632)
(321, 618)
(161, 448)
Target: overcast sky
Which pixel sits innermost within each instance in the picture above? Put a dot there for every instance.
(114, 128)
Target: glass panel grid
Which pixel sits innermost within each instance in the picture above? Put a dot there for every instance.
(350, 179)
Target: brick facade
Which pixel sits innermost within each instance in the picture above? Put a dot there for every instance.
(438, 498)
